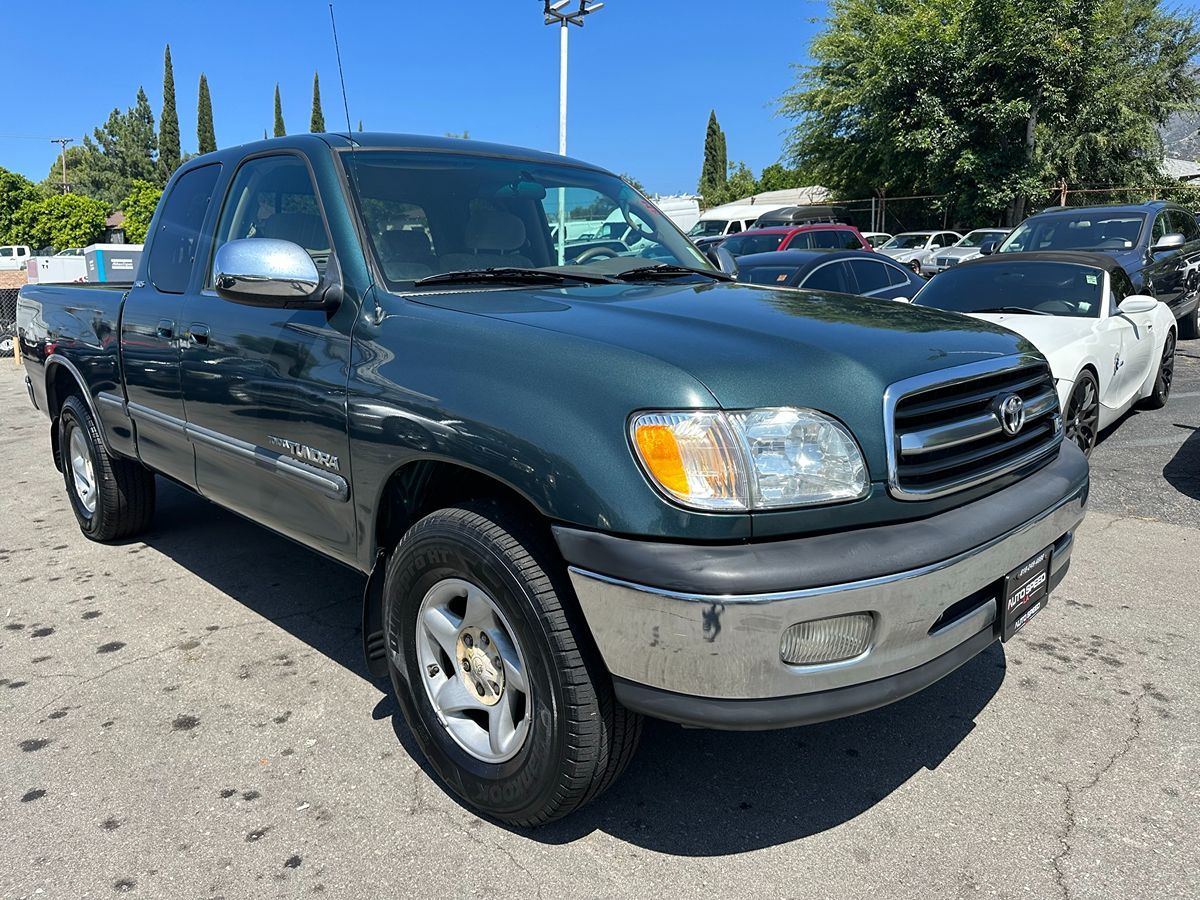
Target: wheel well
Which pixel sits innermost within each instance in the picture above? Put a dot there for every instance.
(419, 488)
(60, 384)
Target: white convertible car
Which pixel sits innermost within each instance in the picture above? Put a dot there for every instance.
(1108, 347)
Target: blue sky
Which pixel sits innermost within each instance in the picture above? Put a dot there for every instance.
(643, 73)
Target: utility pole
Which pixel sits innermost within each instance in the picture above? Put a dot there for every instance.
(557, 14)
(63, 143)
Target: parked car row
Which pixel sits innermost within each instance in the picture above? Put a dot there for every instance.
(1105, 293)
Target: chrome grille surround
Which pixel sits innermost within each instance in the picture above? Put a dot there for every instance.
(961, 443)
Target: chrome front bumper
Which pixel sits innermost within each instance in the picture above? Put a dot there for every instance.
(727, 647)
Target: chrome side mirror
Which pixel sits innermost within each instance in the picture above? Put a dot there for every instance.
(265, 271)
(1169, 242)
(1136, 303)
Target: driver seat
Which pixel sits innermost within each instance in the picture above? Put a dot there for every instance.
(492, 238)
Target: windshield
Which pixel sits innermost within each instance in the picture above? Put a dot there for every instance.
(708, 228)
(1081, 230)
(906, 242)
(749, 242)
(1049, 288)
(976, 238)
(432, 213)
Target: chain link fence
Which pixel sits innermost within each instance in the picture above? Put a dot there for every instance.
(8, 321)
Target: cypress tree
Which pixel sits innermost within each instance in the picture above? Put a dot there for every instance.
(360, 124)
(317, 124)
(206, 138)
(280, 131)
(168, 125)
(713, 171)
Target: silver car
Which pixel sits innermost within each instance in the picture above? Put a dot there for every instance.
(915, 249)
(967, 248)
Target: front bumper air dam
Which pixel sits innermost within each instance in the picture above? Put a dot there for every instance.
(705, 652)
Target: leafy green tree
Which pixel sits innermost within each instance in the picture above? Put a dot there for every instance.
(138, 208)
(740, 183)
(15, 191)
(61, 220)
(317, 124)
(713, 170)
(206, 138)
(989, 102)
(777, 177)
(168, 129)
(462, 135)
(280, 131)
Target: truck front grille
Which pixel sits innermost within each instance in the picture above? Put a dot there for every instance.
(947, 429)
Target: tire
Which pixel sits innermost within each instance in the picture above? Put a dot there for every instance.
(1189, 325)
(1164, 377)
(576, 739)
(914, 266)
(1082, 418)
(121, 490)
(7, 346)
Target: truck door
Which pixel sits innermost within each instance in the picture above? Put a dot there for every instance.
(150, 326)
(264, 387)
(1165, 272)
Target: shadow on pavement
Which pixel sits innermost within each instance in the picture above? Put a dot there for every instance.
(687, 792)
(1183, 471)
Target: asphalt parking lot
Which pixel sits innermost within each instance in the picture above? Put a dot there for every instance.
(189, 716)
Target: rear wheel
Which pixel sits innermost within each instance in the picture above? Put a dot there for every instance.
(1164, 377)
(111, 497)
(493, 670)
(1189, 325)
(1083, 413)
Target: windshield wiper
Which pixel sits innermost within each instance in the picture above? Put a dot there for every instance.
(669, 270)
(510, 275)
(1014, 309)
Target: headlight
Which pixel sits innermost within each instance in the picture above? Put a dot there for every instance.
(752, 459)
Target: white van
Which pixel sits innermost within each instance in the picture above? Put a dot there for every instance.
(728, 219)
(14, 256)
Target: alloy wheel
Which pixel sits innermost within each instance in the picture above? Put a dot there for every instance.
(1083, 415)
(473, 670)
(82, 475)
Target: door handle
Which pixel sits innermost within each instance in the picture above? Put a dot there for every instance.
(199, 334)
(165, 329)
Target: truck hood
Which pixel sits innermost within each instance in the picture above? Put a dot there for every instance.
(755, 346)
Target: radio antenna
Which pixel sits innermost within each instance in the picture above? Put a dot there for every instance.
(378, 317)
(341, 77)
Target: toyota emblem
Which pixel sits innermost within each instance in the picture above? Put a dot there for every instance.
(1010, 410)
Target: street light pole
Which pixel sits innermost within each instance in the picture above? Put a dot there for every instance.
(557, 13)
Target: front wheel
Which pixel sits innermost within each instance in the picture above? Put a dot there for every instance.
(1083, 413)
(494, 672)
(915, 266)
(1166, 375)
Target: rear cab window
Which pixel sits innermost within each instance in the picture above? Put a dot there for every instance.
(173, 245)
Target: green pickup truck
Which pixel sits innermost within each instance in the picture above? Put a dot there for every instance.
(582, 489)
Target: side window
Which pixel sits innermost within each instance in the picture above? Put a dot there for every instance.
(871, 276)
(274, 197)
(801, 241)
(850, 241)
(829, 277)
(1185, 224)
(6, 251)
(896, 275)
(173, 244)
(734, 228)
(827, 239)
(1122, 287)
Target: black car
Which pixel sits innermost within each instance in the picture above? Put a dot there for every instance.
(1157, 243)
(844, 271)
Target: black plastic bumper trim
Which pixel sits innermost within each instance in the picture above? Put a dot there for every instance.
(801, 709)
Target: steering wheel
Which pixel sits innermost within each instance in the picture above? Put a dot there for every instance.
(594, 253)
(641, 226)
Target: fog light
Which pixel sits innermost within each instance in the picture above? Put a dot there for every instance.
(826, 640)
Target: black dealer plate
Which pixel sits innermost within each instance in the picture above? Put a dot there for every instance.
(1026, 589)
